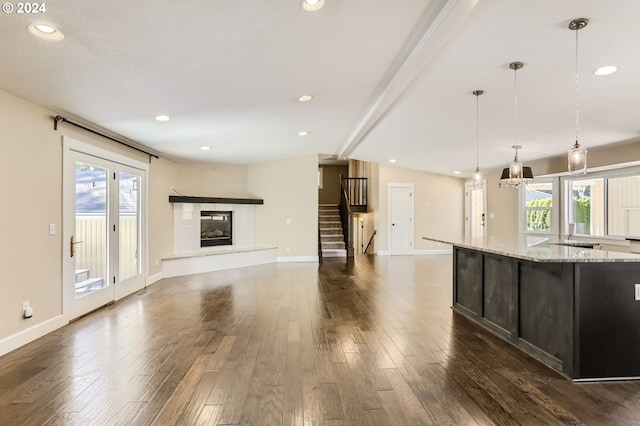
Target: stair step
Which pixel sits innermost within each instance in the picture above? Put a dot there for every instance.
(331, 231)
(334, 253)
(331, 237)
(331, 245)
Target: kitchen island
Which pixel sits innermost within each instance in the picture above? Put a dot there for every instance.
(571, 307)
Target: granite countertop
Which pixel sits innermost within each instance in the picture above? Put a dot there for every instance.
(539, 249)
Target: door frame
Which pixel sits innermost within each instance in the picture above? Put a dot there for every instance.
(410, 250)
(74, 145)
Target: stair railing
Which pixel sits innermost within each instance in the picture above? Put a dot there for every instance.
(356, 190)
(345, 218)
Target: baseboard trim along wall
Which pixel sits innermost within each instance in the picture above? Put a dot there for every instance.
(416, 252)
(291, 259)
(154, 278)
(23, 337)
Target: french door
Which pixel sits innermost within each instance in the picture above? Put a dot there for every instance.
(103, 230)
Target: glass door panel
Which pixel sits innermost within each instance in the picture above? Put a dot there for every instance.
(90, 248)
(129, 225)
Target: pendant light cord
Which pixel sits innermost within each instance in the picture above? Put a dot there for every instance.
(477, 132)
(515, 101)
(577, 104)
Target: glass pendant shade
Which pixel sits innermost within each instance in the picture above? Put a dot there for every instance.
(477, 177)
(577, 157)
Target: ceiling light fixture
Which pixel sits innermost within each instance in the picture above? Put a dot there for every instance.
(205, 148)
(606, 70)
(163, 117)
(392, 160)
(456, 172)
(577, 156)
(311, 5)
(303, 133)
(305, 98)
(46, 32)
(516, 173)
(477, 175)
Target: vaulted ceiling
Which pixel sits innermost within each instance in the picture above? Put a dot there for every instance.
(389, 79)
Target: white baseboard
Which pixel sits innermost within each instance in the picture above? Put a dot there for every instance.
(152, 279)
(291, 259)
(23, 337)
(440, 251)
(416, 252)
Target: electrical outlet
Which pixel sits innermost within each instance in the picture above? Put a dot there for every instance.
(637, 291)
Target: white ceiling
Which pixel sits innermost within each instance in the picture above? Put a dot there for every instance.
(390, 79)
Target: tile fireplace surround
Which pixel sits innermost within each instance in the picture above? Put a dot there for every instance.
(189, 258)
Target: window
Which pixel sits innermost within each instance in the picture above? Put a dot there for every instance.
(586, 207)
(623, 206)
(540, 207)
(605, 204)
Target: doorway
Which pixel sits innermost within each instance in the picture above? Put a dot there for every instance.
(401, 218)
(103, 227)
(475, 210)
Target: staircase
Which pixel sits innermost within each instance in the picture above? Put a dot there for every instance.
(331, 237)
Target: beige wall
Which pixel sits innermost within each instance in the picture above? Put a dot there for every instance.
(211, 180)
(438, 204)
(163, 175)
(289, 189)
(330, 192)
(31, 169)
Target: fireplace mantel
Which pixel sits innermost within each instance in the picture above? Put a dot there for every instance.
(214, 200)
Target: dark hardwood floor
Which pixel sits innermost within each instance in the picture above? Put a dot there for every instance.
(370, 342)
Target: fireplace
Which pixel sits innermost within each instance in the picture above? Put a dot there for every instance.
(216, 228)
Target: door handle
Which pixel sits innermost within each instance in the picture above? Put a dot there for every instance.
(72, 245)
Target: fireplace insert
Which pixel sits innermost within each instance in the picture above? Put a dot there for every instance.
(216, 228)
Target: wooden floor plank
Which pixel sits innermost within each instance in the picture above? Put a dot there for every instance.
(371, 341)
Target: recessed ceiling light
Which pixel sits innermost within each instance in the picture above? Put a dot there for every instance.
(46, 32)
(305, 98)
(205, 148)
(392, 160)
(456, 172)
(163, 117)
(303, 133)
(312, 5)
(606, 70)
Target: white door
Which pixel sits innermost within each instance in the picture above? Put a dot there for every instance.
(103, 232)
(475, 211)
(401, 218)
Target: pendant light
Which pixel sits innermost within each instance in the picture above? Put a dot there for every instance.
(577, 157)
(477, 175)
(516, 173)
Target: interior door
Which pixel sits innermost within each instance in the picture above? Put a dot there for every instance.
(475, 210)
(401, 218)
(87, 220)
(103, 231)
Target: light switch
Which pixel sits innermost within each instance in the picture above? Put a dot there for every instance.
(52, 229)
(288, 221)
